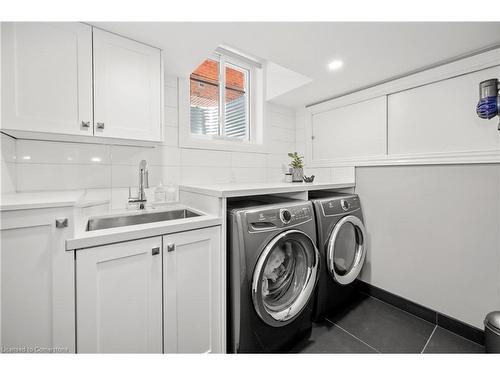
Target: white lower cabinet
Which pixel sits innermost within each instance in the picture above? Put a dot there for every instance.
(120, 289)
(119, 297)
(192, 285)
(37, 282)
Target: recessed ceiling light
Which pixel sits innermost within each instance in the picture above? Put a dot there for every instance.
(335, 64)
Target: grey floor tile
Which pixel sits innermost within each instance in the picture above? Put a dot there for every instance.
(444, 341)
(328, 338)
(382, 326)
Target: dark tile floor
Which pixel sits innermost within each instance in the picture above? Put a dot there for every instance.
(368, 325)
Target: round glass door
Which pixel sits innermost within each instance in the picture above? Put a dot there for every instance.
(346, 250)
(284, 277)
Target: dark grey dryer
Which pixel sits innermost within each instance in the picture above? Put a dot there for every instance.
(341, 238)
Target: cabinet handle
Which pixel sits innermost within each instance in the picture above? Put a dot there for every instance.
(171, 247)
(85, 124)
(155, 251)
(100, 125)
(62, 222)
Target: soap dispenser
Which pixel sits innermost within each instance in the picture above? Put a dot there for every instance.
(160, 193)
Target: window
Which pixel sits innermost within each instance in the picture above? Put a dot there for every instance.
(220, 99)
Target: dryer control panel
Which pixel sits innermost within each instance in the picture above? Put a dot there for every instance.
(340, 205)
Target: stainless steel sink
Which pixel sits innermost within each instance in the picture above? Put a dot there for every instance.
(149, 217)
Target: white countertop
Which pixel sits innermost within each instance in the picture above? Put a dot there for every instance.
(84, 239)
(46, 199)
(240, 190)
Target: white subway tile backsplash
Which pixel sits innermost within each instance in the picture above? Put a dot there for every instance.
(282, 121)
(170, 156)
(171, 136)
(8, 149)
(61, 153)
(32, 177)
(8, 176)
(275, 108)
(274, 175)
(128, 175)
(248, 159)
(128, 155)
(171, 117)
(171, 175)
(205, 158)
(300, 121)
(280, 161)
(171, 97)
(171, 81)
(244, 175)
(205, 175)
(344, 174)
(282, 134)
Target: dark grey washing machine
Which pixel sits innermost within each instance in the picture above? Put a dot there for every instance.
(341, 238)
(273, 266)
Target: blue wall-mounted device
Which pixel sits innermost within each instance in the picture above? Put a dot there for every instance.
(489, 99)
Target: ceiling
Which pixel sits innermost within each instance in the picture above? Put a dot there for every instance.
(371, 51)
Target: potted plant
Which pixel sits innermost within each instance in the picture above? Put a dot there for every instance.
(296, 166)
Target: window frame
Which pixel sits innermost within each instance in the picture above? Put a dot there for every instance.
(254, 141)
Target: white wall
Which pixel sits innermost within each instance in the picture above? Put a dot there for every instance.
(8, 166)
(46, 165)
(434, 235)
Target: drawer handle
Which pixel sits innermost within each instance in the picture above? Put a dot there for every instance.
(155, 250)
(85, 124)
(100, 125)
(171, 247)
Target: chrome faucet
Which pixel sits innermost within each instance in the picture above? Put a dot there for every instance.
(143, 184)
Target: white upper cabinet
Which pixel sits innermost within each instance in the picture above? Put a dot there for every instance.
(441, 118)
(65, 79)
(127, 88)
(47, 77)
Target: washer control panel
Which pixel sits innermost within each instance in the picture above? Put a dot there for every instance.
(295, 215)
(279, 217)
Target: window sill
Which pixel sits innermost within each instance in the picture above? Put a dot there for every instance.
(220, 144)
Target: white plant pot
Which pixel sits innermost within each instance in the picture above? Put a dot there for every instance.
(297, 174)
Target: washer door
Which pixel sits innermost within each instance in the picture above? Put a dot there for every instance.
(346, 250)
(284, 277)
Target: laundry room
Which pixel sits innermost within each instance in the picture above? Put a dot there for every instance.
(281, 185)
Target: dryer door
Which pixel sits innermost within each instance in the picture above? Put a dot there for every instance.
(284, 277)
(346, 250)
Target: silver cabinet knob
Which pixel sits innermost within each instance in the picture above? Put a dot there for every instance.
(85, 124)
(100, 125)
(61, 222)
(170, 247)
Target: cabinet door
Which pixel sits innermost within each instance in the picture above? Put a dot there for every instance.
(37, 281)
(192, 291)
(352, 131)
(127, 88)
(119, 298)
(441, 118)
(47, 77)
